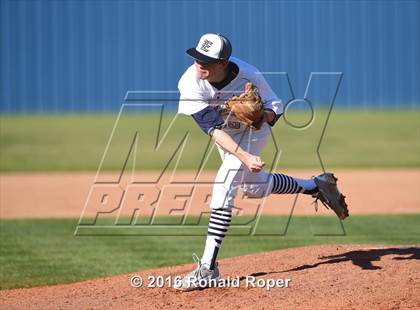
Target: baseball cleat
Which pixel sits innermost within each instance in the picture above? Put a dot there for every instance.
(200, 278)
(329, 195)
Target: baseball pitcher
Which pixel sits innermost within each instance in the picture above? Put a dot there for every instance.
(231, 101)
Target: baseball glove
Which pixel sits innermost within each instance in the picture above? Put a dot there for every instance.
(248, 107)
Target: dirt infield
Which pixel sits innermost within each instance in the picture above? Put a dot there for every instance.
(321, 277)
(63, 195)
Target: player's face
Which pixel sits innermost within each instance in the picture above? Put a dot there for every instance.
(206, 71)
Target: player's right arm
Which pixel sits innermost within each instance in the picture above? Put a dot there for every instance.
(211, 123)
(253, 162)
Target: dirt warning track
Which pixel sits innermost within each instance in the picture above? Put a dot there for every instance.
(63, 195)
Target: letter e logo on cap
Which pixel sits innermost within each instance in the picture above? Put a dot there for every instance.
(206, 45)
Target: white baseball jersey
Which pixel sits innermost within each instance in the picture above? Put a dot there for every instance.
(198, 94)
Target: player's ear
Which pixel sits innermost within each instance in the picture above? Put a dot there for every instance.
(224, 63)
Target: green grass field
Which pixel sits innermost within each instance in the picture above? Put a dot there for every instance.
(43, 252)
(365, 139)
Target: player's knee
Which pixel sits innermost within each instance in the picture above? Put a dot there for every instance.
(224, 208)
(253, 191)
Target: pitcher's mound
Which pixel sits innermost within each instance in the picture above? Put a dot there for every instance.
(321, 277)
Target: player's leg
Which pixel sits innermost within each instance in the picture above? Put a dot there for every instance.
(225, 189)
(218, 227)
(263, 183)
(260, 184)
(322, 187)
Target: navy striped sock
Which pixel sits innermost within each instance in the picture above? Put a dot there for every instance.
(218, 226)
(284, 184)
(219, 223)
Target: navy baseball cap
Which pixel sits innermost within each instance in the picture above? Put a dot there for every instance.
(211, 48)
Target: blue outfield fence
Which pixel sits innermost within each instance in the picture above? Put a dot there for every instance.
(83, 56)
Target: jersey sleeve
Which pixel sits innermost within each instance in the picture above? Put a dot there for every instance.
(208, 120)
(191, 98)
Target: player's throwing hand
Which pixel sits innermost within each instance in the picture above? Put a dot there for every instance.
(254, 163)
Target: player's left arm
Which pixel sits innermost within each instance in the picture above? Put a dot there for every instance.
(273, 106)
(208, 120)
(270, 117)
